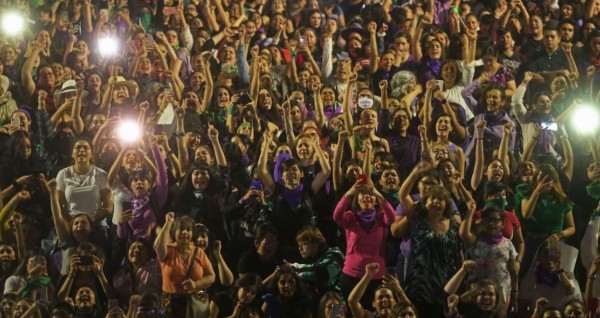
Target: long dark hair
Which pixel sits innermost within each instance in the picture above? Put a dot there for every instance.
(185, 194)
(301, 291)
(21, 270)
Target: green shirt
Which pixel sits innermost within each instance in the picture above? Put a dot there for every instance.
(548, 215)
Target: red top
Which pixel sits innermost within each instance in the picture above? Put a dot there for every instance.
(511, 221)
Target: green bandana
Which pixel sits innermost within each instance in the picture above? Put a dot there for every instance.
(498, 202)
(593, 190)
(31, 285)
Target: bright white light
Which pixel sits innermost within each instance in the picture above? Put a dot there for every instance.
(12, 23)
(585, 119)
(108, 46)
(129, 131)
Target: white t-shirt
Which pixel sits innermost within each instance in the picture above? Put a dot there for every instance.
(121, 199)
(82, 192)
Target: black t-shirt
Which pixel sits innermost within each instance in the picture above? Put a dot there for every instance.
(250, 262)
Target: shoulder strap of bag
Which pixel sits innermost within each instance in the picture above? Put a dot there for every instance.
(188, 275)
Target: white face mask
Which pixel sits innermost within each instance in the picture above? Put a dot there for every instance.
(365, 102)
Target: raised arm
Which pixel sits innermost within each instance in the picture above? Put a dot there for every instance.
(590, 292)
(222, 14)
(430, 86)
(503, 149)
(326, 61)
(325, 172)
(477, 175)
(164, 238)
(209, 84)
(338, 155)
(568, 164)
(404, 193)
(459, 130)
(374, 54)
(213, 135)
(27, 69)
(182, 150)
(116, 166)
(359, 290)
(19, 237)
(454, 283)
(319, 111)
(528, 151)
(61, 218)
(528, 205)
(287, 124)
(348, 121)
(226, 277)
(9, 209)
(569, 53)
(263, 172)
(466, 233)
(78, 124)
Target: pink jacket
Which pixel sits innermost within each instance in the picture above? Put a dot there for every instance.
(363, 247)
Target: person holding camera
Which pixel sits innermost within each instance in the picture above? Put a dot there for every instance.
(542, 132)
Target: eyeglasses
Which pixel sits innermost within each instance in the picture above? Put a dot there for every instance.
(438, 150)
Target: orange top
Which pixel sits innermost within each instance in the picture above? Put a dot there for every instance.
(174, 269)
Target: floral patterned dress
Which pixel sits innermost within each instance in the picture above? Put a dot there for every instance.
(491, 262)
(433, 260)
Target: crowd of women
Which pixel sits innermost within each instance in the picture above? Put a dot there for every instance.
(301, 158)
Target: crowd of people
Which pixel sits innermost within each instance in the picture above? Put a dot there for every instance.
(301, 158)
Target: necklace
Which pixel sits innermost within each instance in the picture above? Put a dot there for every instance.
(81, 178)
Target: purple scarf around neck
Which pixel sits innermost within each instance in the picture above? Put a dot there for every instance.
(492, 239)
(293, 197)
(366, 218)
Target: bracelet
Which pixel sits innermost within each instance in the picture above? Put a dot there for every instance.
(479, 138)
(593, 277)
(242, 201)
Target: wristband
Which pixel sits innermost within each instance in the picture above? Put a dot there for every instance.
(242, 201)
